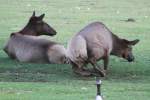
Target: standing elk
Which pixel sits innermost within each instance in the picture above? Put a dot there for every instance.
(93, 43)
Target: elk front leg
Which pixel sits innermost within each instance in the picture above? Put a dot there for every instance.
(78, 69)
(106, 61)
(97, 68)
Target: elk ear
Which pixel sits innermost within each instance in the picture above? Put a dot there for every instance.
(134, 42)
(12, 34)
(33, 15)
(41, 17)
(125, 41)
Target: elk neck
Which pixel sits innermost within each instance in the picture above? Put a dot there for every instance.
(28, 30)
(116, 45)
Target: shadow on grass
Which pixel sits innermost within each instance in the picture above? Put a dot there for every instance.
(14, 71)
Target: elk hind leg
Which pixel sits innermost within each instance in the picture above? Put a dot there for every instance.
(78, 69)
(97, 68)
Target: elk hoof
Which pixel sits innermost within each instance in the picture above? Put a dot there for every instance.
(106, 71)
(82, 72)
(100, 72)
(96, 72)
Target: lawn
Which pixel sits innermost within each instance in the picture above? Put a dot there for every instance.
(125, 81)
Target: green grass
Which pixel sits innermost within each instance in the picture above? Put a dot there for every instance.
(125, 81)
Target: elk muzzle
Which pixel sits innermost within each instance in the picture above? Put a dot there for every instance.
(130, 58)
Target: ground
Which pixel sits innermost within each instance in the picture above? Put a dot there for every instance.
(125, 81)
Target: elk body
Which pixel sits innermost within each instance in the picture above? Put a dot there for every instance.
(27, 46)
(93, 43)
(35, 49)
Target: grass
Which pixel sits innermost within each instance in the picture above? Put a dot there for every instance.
(125, 81)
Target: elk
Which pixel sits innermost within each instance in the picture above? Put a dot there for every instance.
(96, 42)
(36, 27)
(27, 46)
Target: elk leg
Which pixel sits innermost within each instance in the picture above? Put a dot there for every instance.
(106, 61)
(78, 69)
(97, 69)
(82, 72)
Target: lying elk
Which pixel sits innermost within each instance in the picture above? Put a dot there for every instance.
(36, 27)
(96, 42)
(26, 46)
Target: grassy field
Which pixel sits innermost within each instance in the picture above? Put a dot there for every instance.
(125, 81)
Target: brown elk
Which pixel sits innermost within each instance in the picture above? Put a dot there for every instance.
(93, 43)
(27, 46)
(36, 26)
